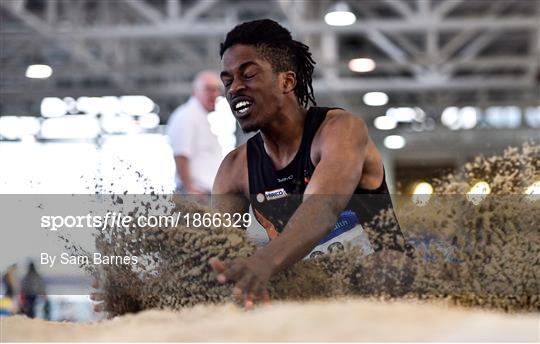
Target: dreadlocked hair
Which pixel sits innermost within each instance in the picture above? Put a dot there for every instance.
(275, 44)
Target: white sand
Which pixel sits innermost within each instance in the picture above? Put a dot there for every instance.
(341, 320)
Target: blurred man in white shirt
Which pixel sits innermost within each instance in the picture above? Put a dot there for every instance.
(196, 149)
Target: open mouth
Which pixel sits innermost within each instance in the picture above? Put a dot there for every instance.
(242, 107)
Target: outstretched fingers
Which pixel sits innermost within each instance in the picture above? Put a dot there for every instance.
(250, 287)
(219, 267)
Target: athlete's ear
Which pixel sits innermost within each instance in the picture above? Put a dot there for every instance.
(288, 81)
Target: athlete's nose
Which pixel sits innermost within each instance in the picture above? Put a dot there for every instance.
(236, 86)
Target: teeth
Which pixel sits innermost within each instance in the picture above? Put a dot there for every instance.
(242, 104)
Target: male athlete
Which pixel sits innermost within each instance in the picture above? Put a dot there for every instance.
(323, 154)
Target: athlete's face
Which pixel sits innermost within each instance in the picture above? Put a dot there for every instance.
(252, 88)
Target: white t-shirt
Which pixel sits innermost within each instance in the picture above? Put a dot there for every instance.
(190, 135)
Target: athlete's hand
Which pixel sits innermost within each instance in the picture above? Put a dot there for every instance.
(251, 276)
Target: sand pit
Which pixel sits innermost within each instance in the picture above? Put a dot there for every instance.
(480, 282)
(486, 253)
(339, 320)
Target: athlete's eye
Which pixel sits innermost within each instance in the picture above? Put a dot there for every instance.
(249, 76)
(227, 83)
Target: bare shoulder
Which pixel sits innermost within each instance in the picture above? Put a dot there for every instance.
(343, 119)
(236, 157)
(340, 128)
(232, 176)
(341, 125)
(349, 128)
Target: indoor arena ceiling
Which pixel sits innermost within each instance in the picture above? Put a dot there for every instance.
(434, 53)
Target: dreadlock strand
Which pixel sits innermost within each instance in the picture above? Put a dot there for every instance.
(305, 68)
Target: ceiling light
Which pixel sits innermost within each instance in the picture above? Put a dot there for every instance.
(402, 114)
(149, 121)
(340, 15)
(71, 104)
(120, 123)
(480, 188)
(422, 193)
(394, 142)
(478, 192)
(384, 123)
(13, 127)
(70, 127)
(423, 188)
(532, 116)
(38, 71)
(110, 105)
(456, 118)
(419, 114)
(136, 105)
(53, 107)
(468, 117)
(503, 117)
(89, 105)
(375, 98)
(362, 65)
(450, 117)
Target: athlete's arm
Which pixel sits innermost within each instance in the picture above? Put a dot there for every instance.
(229, 192)
(342, 142)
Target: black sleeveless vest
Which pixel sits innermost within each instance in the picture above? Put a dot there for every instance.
(276, 194)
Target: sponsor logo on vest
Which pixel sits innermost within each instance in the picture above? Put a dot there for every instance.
(281, 180)
(275, 194)
(260, 197)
